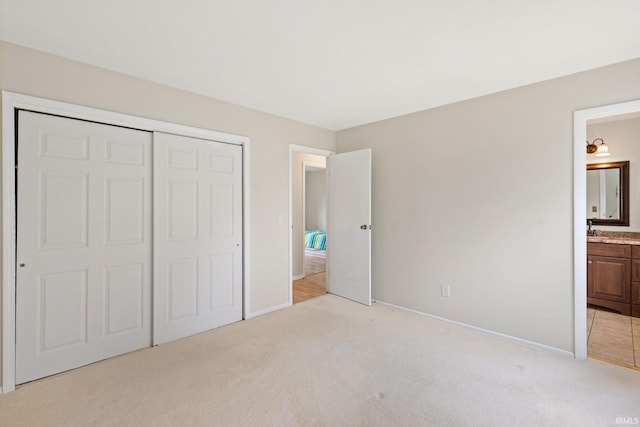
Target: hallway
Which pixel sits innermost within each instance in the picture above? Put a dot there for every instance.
(314, 283)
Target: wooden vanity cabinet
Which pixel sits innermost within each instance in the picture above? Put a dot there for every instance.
(635, 281)
(609, 273)
(635, 299)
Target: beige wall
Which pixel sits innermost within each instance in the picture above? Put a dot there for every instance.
(315, 207)
(34, 73)
(443, 212)
(623, 139)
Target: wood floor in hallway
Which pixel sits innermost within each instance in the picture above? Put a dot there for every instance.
(314, 283)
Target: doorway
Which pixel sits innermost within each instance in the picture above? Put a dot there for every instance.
(611, 281)
(313, 282)
(585, 318)
(348, 222)
(307, 218)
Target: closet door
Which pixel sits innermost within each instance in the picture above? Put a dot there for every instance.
(197, 235)
(83, 243)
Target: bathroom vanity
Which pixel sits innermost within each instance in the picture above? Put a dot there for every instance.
(613, 258)
(613, 272)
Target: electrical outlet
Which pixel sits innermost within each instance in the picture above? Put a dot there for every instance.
(445, 290)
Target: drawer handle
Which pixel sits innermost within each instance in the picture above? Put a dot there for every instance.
(589, 262)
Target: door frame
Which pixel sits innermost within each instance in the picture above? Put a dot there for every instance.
(11, 103)
(580, 119)
(307, 150)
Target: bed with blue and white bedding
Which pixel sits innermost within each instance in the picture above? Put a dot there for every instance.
(315, 239)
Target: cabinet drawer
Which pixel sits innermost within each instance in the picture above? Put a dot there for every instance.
(635, 251)
(609, 249)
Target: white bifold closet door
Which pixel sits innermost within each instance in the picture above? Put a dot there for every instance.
(84, 243)
(197, 235)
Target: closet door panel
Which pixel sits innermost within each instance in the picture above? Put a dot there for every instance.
(83, 279)
(197, 235)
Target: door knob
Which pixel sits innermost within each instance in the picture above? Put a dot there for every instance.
(22, 264)
(363, 227)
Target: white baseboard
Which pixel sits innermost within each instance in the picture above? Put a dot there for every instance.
(267, 310)
(301, 276)
(527, 343)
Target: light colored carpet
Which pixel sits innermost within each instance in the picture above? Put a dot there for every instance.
(331, 362)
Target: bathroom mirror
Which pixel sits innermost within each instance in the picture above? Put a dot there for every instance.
(608, 193)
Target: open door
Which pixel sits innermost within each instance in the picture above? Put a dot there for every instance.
(349, 225)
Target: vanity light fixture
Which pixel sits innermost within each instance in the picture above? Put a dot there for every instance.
(600, 150)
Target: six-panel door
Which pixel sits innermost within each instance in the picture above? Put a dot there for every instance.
(84, 243)
(198, 235)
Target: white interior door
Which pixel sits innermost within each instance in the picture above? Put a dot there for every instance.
(349, 225)
(197, 235)
(83, 243)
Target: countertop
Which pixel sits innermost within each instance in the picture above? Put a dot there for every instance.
(620, 238)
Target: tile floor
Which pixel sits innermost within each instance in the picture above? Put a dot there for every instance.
(613, 337)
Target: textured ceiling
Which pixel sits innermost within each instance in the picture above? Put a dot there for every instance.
(332, 63)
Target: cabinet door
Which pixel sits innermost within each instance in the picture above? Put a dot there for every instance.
(635, 270)
(609, 278)
(635, 293)
(635, 281)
